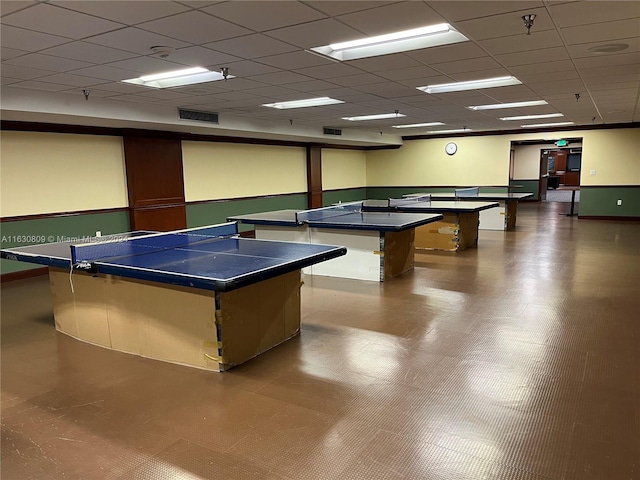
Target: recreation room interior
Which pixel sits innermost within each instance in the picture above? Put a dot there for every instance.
(512, 356)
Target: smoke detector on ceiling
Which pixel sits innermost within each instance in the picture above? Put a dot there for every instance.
(162, 51)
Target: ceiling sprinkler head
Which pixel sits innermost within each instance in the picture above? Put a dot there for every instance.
(528, 22)
(225, 72)
(86, 93)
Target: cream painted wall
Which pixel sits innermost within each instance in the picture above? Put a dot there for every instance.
(613, 154)
(55, 172)
(482, 160)
(215, 171)
(343, 168)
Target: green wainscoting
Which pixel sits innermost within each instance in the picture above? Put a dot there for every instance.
(381, 193)
(210, 213)
(54, 229)
(329, 197)
(602, 201)
(527, 186)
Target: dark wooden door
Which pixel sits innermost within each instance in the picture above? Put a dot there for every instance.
(155, 184)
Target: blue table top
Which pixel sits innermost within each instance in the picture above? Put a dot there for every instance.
(426, 207)
(346, 220)
(220, 264)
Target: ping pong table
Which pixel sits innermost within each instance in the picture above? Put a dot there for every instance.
(457, 230)
(202, 297)
(380, 245)
(501, 218)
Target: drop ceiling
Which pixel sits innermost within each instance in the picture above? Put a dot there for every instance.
(58, 49)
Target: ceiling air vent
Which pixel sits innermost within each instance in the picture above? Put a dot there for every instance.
(198, 116)
(332, 131)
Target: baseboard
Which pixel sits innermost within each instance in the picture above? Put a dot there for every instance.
(608, 217)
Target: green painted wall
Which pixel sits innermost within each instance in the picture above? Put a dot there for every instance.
(528, 186)
(602, 201)
(54, 229)
(381, 193)
(214, 212)
(329, 197)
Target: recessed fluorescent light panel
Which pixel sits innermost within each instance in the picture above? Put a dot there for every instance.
(533, 117)
(497, 106)
(458, 130)
(309, 102)
(380, 116)
(177, 78)
(557, 124)
(417, 38)
(471, 85)
(417, 125)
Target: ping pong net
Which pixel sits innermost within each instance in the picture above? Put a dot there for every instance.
(319, 214)
(467, 192)
(84, 255)
(399, 202)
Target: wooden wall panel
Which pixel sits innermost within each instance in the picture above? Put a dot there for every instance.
(160, 219)
(155, 183)
(314, 177)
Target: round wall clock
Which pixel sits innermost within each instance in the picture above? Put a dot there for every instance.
(451, 148)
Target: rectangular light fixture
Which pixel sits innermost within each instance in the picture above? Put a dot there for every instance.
(533, 117)
(471, 85)
(309, 102)
(379, 116)
(177, 78)
(557, 124)
(457, 130)
(404, 41)
(417, 125)
(497, 106)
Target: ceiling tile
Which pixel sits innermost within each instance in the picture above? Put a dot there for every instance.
(106, 73)
(71, 79)
(261, 16)
(88, 52)
(53, 20)
(146, 65)
(23, 73)
(535, 56)
(447, 53)
(201, 57)
(584, 13)
(8, 53)
(127, 13)
(133, 39)
(345, 6)
(471, 65)
(281, 78)
(21, 39)
(297, 60)
(311, 86)
(47, 62)
(522, 43)
(195, 27)
(10, 6)
(247, 68)
(37, 85)
(329, 71)
(602, 32)
(315, 34)
(391, 18)
(252, 46)
(465, 10)
(505, 25)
